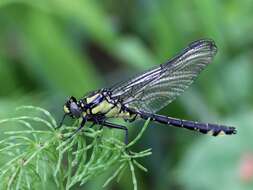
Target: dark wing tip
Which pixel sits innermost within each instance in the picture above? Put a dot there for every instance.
(205, 44)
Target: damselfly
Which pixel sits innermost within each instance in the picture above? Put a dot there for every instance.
(144, 95)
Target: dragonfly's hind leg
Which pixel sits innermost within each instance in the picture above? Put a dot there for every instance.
(115, 126)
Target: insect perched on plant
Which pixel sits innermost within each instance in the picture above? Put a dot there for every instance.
(145, 94)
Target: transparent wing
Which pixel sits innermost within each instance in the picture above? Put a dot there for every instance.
(156, 88)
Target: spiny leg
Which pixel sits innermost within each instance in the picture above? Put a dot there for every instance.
(92, 125)
(100, 125)
(78, 129)
(115, 126)
(61, 121)
(97, 121)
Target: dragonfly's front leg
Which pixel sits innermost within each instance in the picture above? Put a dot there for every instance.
(79, 128)
(61, 122)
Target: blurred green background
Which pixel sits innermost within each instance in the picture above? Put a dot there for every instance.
(50, 50)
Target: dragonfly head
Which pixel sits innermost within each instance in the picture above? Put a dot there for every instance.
(72, 108)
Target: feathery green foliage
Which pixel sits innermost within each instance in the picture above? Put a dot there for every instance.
(38, 154)
(53, 49)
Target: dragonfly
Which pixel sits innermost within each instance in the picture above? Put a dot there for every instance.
(143, 95)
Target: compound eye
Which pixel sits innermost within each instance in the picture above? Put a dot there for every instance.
(75, 110)
(72, 99)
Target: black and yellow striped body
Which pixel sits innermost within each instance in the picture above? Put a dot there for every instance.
(147, 93)
(101, 104)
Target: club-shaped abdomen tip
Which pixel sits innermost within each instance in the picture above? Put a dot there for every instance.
(234, 130)
(222, 131)
(230, 131)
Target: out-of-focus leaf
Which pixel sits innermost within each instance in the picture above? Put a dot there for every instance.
(50, 54)
(135, 53)
(6, 75)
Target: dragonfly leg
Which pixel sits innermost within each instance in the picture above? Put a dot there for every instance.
(61, 122)
(78, 129)
(115, 126)
(100, 126)
(92, 125)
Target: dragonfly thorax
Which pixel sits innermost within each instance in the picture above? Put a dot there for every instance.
(98, 104)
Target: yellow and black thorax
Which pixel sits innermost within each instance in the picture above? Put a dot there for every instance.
(101, 103)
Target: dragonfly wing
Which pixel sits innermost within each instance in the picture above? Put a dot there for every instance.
(156, 88)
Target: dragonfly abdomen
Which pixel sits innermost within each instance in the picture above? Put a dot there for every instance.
(205, 128)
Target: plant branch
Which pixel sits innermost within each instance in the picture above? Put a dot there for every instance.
(32, 155)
